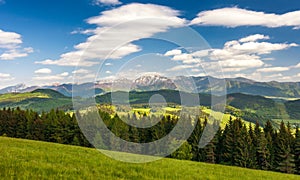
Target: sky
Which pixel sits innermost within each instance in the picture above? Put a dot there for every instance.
(63, 41)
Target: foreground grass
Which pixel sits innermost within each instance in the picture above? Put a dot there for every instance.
(24, 159)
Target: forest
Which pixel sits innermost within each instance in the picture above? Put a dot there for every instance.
(258, 147)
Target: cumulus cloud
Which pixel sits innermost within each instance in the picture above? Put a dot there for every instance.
(253, 38)
(43, 71)
(186, 58)
(235, 56)
(10, 44)
(173, 52)
(234, 17)
(117, 28)
(246, 52)
(9, 39)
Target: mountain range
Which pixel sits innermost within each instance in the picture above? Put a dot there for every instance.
(205, 84)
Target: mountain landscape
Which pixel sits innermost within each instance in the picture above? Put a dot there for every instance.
(114, 89)
(251, 108)
(182, 83)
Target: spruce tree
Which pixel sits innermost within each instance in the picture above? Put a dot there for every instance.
(297, 151)
(284, 158)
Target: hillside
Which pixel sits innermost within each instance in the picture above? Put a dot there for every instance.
(41, 160)
(250, 107)
(293, 108)
(38, 100)
(135, 97)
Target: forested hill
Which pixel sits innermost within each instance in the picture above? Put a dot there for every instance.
(249, 107)
(38, 100)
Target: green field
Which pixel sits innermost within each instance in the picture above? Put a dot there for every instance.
(27, 159)
(17, 97)
(225, 117)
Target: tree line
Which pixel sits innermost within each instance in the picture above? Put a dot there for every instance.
(253, 147)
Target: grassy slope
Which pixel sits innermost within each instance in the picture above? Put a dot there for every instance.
(225, 117)
(38, 160)
(38, 100)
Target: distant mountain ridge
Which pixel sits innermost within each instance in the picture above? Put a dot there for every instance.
(182, 83)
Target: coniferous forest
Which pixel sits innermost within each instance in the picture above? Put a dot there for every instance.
(258, 147)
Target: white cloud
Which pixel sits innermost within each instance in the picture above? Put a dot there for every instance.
(107, 2)
(273, 69)
(64, 74)
(235, 56)
(108, 72)
(186, 58)
(297, 66)
(253, 38)
(6, 77)
(12, 54)
(10, 43)
(246, 53)
(81, 71)
(43, 71)
(134, 21)
(234, 17)
(9, 39)
(173, 52)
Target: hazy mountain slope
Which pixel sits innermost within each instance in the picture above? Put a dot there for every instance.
(293, 109)
(204, 84)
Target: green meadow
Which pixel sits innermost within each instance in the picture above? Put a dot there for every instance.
(27, 159)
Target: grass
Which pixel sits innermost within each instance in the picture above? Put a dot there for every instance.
(25, 159)
(225, 118)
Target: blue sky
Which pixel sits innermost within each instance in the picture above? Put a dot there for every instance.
(46, 42)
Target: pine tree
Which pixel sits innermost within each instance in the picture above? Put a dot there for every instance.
(270, 137)
(284, 158)
(242, 156)
(252, 147)
(194, 140)
(184, 152)
(297, 151)
(287, 164)
(263, 153)
(229, 143)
